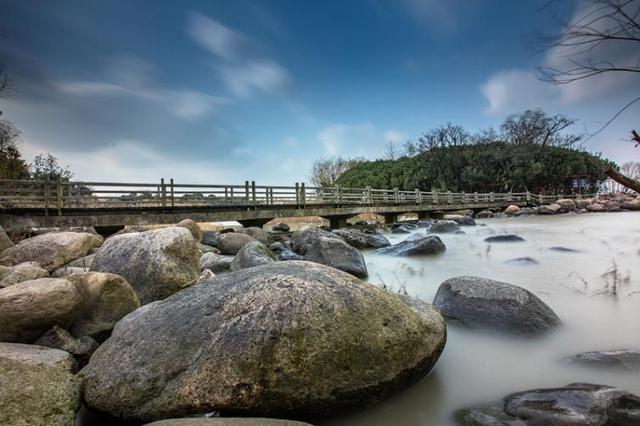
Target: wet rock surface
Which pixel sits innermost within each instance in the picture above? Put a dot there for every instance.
(303, 239)
(417, 246)
(252, 254)
(622, 359)
(156, 263)
(289, 339)
(444, 227)
(337, 254)
(482, 303)
(504, 238)
(572, 405)
(362, 240)
(228, 421)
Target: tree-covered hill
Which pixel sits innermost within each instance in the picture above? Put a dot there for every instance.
(483, 167)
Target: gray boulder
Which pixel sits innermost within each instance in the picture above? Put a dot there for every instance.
(5, 241)
(462, 220)
(193, 228)
(420, 246)
(444, 227)
(51, 250)
(504, 238)
(30, 308)
(210, 238)
(228, 421)
(575, 404)
(595, 207)
(487, 304)
(10, 275)
(156, 263)
(83, 262)
(403, 228)
(337, 254)
(362, 240)
(252, 254)
(521, 261)
(303, 239)
(258, 233)
(38, 386)
(230, 243)
(486, 214)
(619, 359)
(281, 227)
(216, 262)
(68, 270)
(550, 209)
(288, 339)
(59, 338)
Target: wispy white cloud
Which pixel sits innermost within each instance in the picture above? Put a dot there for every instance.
(356, 140)
(240, 65)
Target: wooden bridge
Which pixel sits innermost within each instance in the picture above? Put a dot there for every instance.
(29, 203)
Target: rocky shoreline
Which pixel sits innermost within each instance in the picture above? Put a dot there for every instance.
(157, 325)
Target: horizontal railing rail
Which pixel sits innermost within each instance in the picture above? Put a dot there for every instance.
(56, 196)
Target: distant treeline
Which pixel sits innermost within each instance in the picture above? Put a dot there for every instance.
(483, 167)
(531, 152)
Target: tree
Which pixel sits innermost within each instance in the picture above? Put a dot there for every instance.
(536, 127)
(12, 166)
(443, 136)
(390, 151)
(326, 171)
(45, 166)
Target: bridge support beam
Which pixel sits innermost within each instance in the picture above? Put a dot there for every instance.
(390, 218)
(337, 222)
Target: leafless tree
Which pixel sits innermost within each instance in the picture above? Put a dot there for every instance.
(443, 136)
(326, 171)
(391, 152)
(537, 128)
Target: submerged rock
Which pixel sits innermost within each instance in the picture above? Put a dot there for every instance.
(423, 245)
(38, 387)
(444, 227)
(51, 250)
(232, 242)
(402, 229)
(504, 238)
(563, 249)
(362, 240)
(252, 254)
(337, 254)
(156, 263)
(289, 339)
(620, 359)
(487, 304)
(575, 404)
(460, 219)
(522, 261)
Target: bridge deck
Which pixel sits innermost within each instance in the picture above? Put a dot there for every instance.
(46, 203)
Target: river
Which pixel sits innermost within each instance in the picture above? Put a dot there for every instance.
(478, 367)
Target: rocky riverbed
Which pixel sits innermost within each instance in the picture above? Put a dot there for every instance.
(329, 327)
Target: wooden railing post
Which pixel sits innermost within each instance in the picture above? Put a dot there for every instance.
(46, 195)
(303, 194)
(297, 194)
(338, 195)
(253, 192)
(59, 195)
(172, 198)
(449, 197)
(492, 197)
(396, 196)
(369, 195)
(246, 192)
(418, 197)
(528, 197)
(163, 192)
(434, 196)
(475, 197)
(541, 198)
(510, 196)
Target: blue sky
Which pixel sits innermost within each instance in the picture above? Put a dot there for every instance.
(225, 91)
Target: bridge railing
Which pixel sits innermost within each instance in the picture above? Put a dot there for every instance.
(55, 196)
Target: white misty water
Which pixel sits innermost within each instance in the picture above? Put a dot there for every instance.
(478, 367)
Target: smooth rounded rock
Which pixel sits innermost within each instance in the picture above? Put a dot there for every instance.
(156, 263)
(623, 359)
(228, 421)
(258, 233)
(303, 239)
(444, 227)
(252, 254)
(290, 339)
(11, 275)
(362, 240)
(230, 243)
(482, 303)
(216, 262)
(337, 254)
(52, 250)
(504, 238)
(193, 227)
(422, 245)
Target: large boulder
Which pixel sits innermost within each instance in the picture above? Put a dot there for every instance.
(5, 241)
(337, 254)
(106, 299)
(59, 338)
(419, 246)
(631, 205)
(288, 339)
(574, 404)
(303, 239)
(444, 227)
(362, 240)
(51, 250)
(216, 262)
(37, 386)
(252, 254)
(156, 263)
(566, 204)
(210, 238)
(193, 228)
(10, 275)
(258, 233)
(281, 227)
(550, 209)
(619, 359)
(460, 219)
(230, 243)
(595, 207)
(30, 308)
(487, 304)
